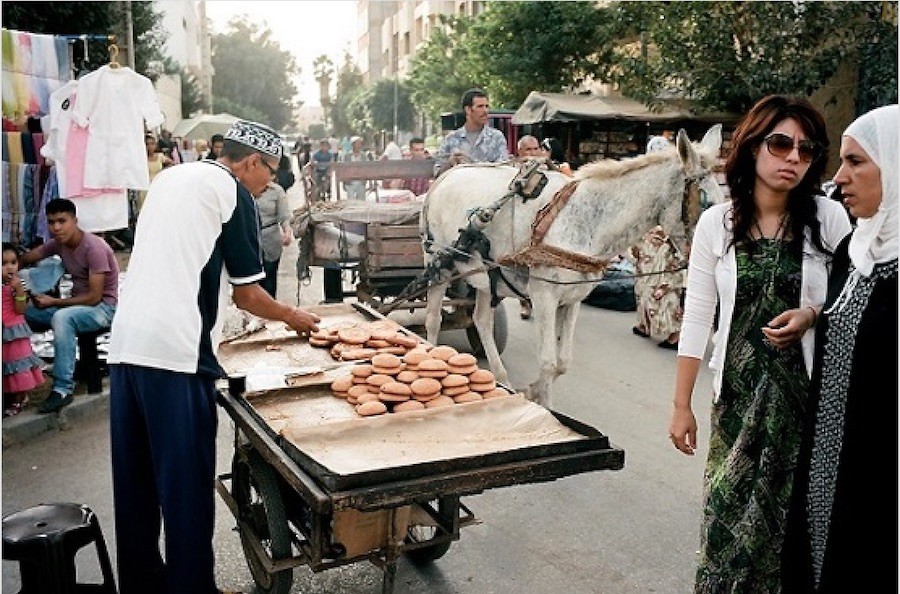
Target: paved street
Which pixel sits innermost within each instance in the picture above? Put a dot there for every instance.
(633, 531)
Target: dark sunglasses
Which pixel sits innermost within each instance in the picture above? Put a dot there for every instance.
(780, 145)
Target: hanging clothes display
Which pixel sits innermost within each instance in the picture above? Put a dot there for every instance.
(34, 66)
(115, 104)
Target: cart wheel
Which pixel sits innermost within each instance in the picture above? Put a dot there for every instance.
(421, 533)
(259, 501)
(501, 333)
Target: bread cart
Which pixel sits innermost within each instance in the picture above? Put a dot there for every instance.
(314, 484)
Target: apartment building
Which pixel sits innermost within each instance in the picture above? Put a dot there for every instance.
(391, 32)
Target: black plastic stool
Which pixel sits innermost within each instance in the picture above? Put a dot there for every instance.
(88, 367)
(45, 539)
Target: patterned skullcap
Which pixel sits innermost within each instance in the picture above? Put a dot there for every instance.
(256, 136)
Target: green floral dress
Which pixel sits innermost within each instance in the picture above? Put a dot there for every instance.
(756, 427)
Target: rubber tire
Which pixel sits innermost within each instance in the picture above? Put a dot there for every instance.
(501, 332)
(256, 475)
(426, 555)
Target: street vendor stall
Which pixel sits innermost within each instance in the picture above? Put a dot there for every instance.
(592, 127)
(314, 483)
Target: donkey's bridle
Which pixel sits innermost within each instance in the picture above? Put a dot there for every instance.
(691, 190)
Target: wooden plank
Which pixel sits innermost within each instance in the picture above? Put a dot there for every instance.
(396, 246)
(380, 261)
(378, 231)
(388, 169)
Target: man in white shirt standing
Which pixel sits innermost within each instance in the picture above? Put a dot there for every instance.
(391, 150)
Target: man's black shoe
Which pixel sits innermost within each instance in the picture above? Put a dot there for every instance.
(54, 402)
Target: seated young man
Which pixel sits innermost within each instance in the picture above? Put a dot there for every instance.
(95, 289)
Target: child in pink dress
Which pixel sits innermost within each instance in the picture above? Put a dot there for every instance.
(21, 367)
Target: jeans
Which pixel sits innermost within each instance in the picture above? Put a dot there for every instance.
(66, 323)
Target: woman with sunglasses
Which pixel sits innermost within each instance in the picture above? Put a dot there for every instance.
(761, 260)
(841, 511)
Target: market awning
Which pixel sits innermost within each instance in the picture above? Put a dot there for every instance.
(562, 107)
(204, 126)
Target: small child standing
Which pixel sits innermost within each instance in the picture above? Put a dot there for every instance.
(21, 367)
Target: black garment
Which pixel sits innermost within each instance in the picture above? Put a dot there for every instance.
(285, 178)
(861, 552)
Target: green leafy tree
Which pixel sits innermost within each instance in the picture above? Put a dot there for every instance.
(381, 106)
(323, 72)
(253, 74)
(349, 85)
(94, 18)
(726, 55)
(519, 47)
(444, 68)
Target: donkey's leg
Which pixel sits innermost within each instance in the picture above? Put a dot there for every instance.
(566, 317)
(483, 316)
(544, 304)
(434, 301)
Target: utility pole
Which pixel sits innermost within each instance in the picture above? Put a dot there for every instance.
(129, 33)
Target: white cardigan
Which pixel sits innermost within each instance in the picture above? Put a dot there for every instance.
(712, 278)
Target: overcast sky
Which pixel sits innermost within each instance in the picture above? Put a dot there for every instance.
(305, 28)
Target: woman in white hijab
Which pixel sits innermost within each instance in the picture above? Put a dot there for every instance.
(842, 524)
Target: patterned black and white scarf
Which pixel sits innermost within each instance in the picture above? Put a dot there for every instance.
(844, 317)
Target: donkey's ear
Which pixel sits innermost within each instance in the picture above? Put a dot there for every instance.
(690, 160)
(712, 140)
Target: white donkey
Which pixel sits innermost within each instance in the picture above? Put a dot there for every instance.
(603, 210)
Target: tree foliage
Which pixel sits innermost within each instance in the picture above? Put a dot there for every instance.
(94, 18)
(253, 75)
(726, 55)
(443, 68)
(372, 108)
(349, 85)
(191, 93)
(519, 47)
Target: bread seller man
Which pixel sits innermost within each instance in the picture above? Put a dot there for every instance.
(198, 236)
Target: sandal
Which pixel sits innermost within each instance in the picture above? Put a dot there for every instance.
(639, 332)
(15, 408)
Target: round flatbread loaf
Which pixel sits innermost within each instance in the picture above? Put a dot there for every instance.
(415, 356)
(495, 393)
(485, 387)
(425, 386)
(454, 380)
(467, 397)
(368, 397)
(481, 376)
(398, 388)
(462, 360)
(439, 402)
(371, 408)
(407, 377)
(354, 335)
(375, 343)
(466, 370)
(455, 390)
(378, 379)
(341, 384)
(358, 390)
(389, 370)
(322, 343)
(364, 370)
(386, 361)
(403, 340)
(408, 406)
(443, 352)
(357, 354)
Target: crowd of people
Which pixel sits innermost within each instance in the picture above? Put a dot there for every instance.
(798, 290)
